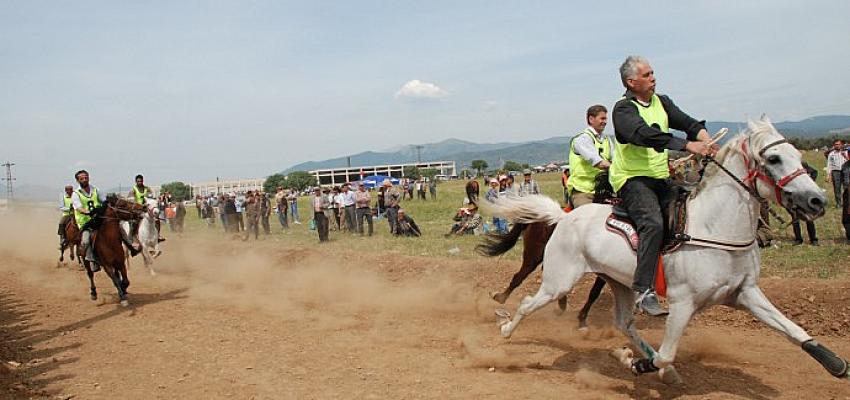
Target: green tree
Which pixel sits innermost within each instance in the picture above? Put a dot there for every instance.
(479, 165)
(411, 172)
(512, 166)
(273, 182)
(300, 180)
(429, 173)
(179, 190)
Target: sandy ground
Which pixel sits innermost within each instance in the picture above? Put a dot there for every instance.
(267, 321)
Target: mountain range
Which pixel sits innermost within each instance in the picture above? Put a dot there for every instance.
(541, 151)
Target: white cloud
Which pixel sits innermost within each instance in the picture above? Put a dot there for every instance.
(417, 89)
(490, 105)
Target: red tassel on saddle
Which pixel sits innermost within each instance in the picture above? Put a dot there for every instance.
(660, 282)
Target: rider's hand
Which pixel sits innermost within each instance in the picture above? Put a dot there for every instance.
(604, 164)
(701, 148)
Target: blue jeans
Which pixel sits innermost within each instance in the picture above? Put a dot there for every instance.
(500, 225)
(281, 217)
(293, 209)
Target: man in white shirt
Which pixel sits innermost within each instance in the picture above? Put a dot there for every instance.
(348, 207)
(835, 159)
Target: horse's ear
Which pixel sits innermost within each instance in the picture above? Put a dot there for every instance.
(764, 118)
(751, 125)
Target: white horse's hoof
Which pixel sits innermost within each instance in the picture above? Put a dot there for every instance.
(624, 355)
(153, 273)
(670, 376)
(506, 330)
(124, 303)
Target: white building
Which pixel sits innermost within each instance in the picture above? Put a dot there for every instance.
(228, 186)
(338, 176)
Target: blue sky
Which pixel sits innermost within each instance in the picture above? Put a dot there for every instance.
(188, 91)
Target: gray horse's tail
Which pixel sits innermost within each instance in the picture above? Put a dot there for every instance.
(527, 209)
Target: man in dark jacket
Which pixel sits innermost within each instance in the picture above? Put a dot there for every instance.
(639, 172)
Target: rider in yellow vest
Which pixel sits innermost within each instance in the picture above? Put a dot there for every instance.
(85, 200)
(67, 208)
(139, 193)
(639, 172)
(590, 154)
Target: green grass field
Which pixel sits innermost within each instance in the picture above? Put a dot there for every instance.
(829, 260)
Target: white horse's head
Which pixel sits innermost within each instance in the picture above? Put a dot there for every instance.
(776, 171)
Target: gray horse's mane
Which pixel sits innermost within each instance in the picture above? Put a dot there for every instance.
(753, 130)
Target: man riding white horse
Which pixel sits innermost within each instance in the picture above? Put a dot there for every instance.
(639, 172)
(140, 193)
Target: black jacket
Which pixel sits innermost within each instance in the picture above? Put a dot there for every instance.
(630, 128)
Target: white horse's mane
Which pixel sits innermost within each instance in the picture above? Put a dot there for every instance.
(733, 146)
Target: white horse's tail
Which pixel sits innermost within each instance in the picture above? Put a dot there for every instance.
(527, 209)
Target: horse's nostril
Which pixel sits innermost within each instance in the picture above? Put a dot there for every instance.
(816, 202)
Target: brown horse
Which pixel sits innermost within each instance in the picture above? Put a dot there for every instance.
(71, 243)
(472, 191)
(107, 242)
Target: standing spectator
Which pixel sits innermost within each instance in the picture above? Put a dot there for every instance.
(339, 211)
(293, 206)
(410, 187)
(381, 207)
(528, 186)
(391, 202)
(835, 159)
(362, 200)
(500, 225)
(265, 212)
(432, 187)
(320, 204)
(348, 208)
(209, 212)
(230, 216)
(421, 187)
(810, 226)
(240, 209)
(282, 205)
(252, 215)
(170, 214)
(199, 204)
(179, 216)
(845, 210)
(405, 185)
(330, 208)
(222, 212)
(406, 226)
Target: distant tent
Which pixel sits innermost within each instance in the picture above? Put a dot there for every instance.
(376, 180)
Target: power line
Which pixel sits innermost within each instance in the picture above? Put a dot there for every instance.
(418, 152)
(9, 179)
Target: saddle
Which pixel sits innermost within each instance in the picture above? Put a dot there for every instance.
(675, 217)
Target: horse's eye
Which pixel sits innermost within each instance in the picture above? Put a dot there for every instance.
(774, 159)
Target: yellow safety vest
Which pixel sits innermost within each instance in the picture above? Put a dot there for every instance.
(89, 203)
(69, 205)
(582, 172)
(632, 160)
(140, 195)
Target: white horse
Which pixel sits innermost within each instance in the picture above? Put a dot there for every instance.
(719, 266)
(148, 235)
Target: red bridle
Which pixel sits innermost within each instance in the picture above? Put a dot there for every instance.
(755, 171)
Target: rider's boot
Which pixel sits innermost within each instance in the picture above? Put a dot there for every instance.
(647, 301)
(90, 258)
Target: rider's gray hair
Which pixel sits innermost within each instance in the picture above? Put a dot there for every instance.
(629, 68)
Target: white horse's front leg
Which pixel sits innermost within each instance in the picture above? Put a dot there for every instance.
(754, 300)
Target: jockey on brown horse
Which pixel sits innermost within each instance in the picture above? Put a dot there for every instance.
(101, 237)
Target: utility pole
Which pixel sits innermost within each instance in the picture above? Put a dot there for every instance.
(9, 179)
(418, 152)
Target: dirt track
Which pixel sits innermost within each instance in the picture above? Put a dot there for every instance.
(276, 322)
